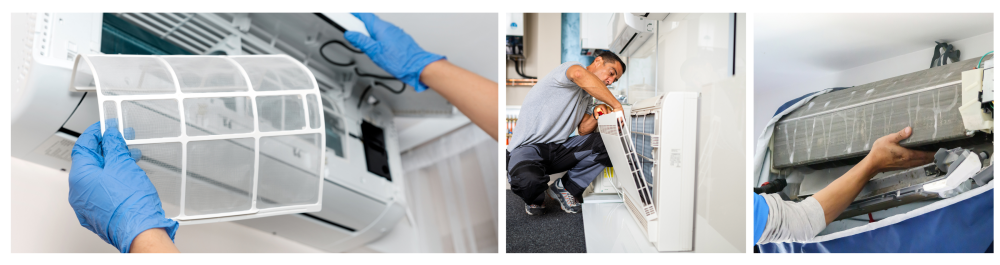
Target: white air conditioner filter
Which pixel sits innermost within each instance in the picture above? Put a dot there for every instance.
(221, 137)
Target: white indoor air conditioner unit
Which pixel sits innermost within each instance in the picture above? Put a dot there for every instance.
(340, 183)
(631, 30)
(654, 154)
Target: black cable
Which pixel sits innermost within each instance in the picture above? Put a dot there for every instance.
(359, 73)
(525, 71)
(401, 89)
(321, 54)
(517, 69)
(362, 97)
(345, 45)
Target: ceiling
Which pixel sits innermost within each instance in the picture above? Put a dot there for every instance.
(836, 42)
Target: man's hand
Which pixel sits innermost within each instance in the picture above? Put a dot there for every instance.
(601, 110)
(621, 118)
(887, 155)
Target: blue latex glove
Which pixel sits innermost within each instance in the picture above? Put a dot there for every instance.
(392, 49)
(111, 195)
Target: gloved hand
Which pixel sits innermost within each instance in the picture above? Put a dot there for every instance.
(392, 49)
(110, 194)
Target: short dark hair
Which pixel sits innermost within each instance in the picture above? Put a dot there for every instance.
(611, 57)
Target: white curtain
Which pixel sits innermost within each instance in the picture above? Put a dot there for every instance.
(451, 191)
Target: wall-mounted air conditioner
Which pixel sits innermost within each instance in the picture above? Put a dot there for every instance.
(653, 153)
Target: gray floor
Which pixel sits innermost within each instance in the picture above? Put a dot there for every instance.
(553, 232)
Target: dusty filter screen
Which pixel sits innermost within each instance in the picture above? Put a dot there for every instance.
(221, 137)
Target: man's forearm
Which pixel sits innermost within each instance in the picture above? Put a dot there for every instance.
(842, 191)
(587, 125)
(594, 86)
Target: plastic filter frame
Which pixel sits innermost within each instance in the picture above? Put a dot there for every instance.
(222, 138)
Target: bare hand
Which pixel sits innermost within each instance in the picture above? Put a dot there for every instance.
(621, 119)
(601, 110)
(887, 155)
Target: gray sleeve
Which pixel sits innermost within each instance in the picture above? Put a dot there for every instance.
(589, 102)
(562, 79)
(789, 221)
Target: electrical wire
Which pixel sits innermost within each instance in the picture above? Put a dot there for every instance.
(400, 91)
(517, 69)
(343, 44)
(521, 71)
(359, 73)
(981, 59)
(321, 54)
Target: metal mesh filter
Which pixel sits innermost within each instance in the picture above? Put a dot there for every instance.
(218, 116)
(133, 75)
(110, 112)
(160, 161)
(151, 118)
(642, 136)
(281, 113)
(281, 177)
(221, 138)
(845, 123)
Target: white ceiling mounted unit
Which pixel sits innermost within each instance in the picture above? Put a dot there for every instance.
(222, 138)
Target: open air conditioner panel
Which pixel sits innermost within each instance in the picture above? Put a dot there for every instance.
(653, 154)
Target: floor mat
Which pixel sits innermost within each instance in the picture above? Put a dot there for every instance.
(553, 232)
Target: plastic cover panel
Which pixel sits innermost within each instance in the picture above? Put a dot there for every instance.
(845, 123)
(222, 138)
(618, 140)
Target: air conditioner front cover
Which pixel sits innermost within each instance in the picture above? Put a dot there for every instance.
(628, 172)
(222, 138)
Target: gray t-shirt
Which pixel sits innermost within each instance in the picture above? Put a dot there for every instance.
(552, 110)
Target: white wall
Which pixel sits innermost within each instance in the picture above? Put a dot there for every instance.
(972, 48)
(43, 221)
(468, 40)
(773, 88)
(693, 56)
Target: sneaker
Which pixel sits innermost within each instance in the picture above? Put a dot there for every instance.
(532, 209)
(566, 201)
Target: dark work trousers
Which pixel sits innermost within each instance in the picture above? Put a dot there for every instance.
(582, 157)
